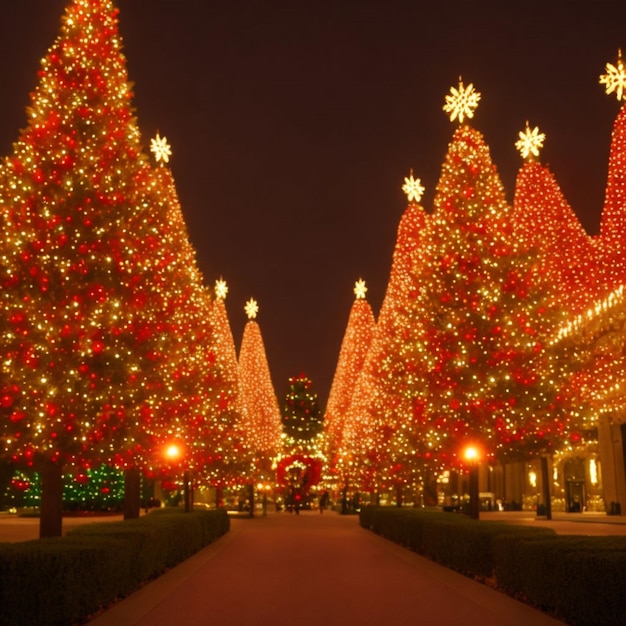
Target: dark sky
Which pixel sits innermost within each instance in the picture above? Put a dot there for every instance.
(294, 123)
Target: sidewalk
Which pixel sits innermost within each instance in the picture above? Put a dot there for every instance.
(314, 569)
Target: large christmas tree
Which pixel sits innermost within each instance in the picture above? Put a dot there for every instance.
(354, 346)
(486, 315)
(198, 409)
(545, 223)
(301, 414)
(261, 411)
(613, 221)
(300, 466)
(76, 180)
(385, 390)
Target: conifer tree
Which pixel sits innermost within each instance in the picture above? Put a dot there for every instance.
(301, 414)
(544, 223)
(262, 418)
(75, 181)
(199, 409)
(354, 346)
(385, 391)
(486, 318)
(613, 220)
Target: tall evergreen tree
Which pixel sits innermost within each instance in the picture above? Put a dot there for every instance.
(75, 181)
(262, 421)
(200, 406)
(385, 393)
(356, 342)
(301, 414)
(544, 223)
(486, 316)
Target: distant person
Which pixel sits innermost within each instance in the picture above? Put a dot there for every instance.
(323, 501)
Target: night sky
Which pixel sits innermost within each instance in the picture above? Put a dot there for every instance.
(293, 125)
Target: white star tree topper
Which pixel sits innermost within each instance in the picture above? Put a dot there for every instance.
(360, 289)
(413, 188)
(221, 289)
(461, 102)
(161, 149)
(530, 142)
(615, 77)
(251, 308)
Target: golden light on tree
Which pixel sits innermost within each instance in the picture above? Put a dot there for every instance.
(461, 102)
(615, 77)
(530, 142)
(261, 419)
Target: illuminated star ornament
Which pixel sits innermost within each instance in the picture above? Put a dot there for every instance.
(161, 149)
(615, 77)
(221, 289)
(413, 188)
(251, 308)
(461, 102)
(530, 142)
(360, 289)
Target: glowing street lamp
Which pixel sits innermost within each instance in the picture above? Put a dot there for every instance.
(174, 453)
(472, 456)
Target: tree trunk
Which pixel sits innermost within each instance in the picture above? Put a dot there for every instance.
(251, 487)
(218, 497)
(399, 495)
(545, 487)
(132, 493)
(51, 512)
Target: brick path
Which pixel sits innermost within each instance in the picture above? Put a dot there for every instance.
(311, 570)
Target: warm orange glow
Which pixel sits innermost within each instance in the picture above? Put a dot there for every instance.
(472, 454)
(173, 452)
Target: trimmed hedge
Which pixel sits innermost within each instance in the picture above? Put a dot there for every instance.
(62, 581)
(576, 579)
(455, 541)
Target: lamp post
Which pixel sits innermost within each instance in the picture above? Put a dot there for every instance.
(471, 455)
(263, 488)
(174, 453)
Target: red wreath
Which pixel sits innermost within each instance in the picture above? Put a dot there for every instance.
(311, 473)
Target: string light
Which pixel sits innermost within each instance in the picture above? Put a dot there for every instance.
(262, 419)
(354, 347)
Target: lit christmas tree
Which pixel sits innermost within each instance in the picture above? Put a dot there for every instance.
(354, 346)
(300, 466)
(199, 409)
(261, 411)
(99, 489)
(238, 454)
(613, 220)
(595, 332)
(301, 415)
(486, 319)
(225, 341)
(544, 222)
(385, 390)
(76, 180)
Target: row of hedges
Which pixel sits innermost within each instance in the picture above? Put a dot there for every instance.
(578, 579)
(62, 581)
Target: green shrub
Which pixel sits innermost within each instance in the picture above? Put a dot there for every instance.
(455, 541)
(577, 579)
(60, 582)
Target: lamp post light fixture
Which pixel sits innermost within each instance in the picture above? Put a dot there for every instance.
(472, 456)
(264, 489)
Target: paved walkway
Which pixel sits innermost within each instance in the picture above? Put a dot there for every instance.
(312, 570)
